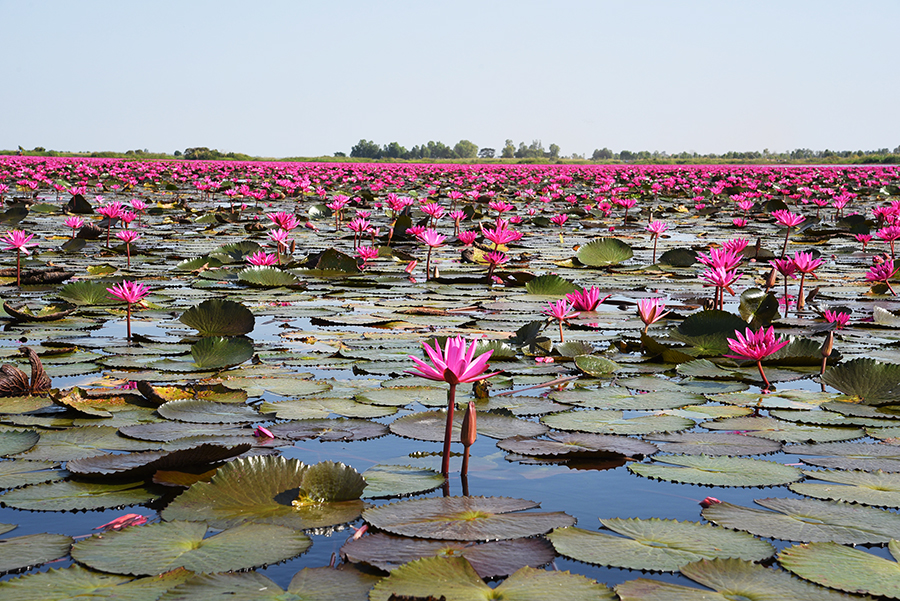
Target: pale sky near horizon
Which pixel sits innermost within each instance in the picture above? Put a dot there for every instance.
(281, 78)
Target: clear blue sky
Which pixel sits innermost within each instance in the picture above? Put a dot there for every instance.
(282, 78)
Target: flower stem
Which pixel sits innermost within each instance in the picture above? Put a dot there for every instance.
(560, 332)
(19, 268)
(800, 293)
(428, 265)
(763, 375)
(128, 321)
(784, 248)
(448, 430)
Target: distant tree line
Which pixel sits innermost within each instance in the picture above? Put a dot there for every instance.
(800, 154)
(367, 149)
(202, 153)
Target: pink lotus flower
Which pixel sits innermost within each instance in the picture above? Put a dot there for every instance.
(433, 240)
(560, 219)
(263, 432)
(864, 239)
(468, 237)
(587, 299)
(131, 293)
(735, 245)
(129, 519)
(838, 318)
(261, 258)
(721, 258)
(788, 220)
(283, 220)
(722, 279)
(560, 311)
(739, 222)
(882, 272)
(366, 253)
(500, 234)
(656, 228)
(456, 364)
(806, 265)
(889, 234)
(415, 230)
(433, 210)
(500, 206)
(756, 346)
(651, 310)
(19, 241)
(128, 236)
(74, 222)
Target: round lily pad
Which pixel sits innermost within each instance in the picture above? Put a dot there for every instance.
(603, 252)
(875, 382)
(309, 584)
(259, 489)
(17, 441)
(717, 471)
(208, 412)
(777, 429)
(565, 443)
(729, 579)
(134, 465)
(602, 421)
(219, 317)
(454, 579)
(32, 550)
(170, 545)
(809, 520)
(430, 425)
(878, 488)
(465, 518)
(20, 472)
(314, 408)
(70, 495)
(850, 455)
(622, 399)
(75, 581)
(86, 441)
(489, 560)
(398, 480)
(846, 569)
(654, 544)
(216, 352)
(714, 443)
(329, 429)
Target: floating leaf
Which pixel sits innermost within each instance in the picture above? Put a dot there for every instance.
(87, 293)
(843, 568)
(578, 443)
(235, 252)
(21, 473)
(398, 480)
(758, 308)
(596, 366)
(717, 471)
(430, 425)
(330, 429)
(207, 412)
(876, 383)
(550, 285)
(32, 550)
(777, 429)
(77, 443)
(881, 489)
(678, 257)
(77, 582)
(169, 545)
(219, 317)
(603, 252)
(134, 465)
(602, 421)
(70, 495)
(334, 261)
(714, 443)
(731, 579)
(664, 545)
(489, 560)
(329, 482)
(268, 277)
(17, 441)
(216, 352)
(259, 489)
(809, 520)
(704, 368)
(465, 518)
(309, 584)
(454, 579)
(850, 455)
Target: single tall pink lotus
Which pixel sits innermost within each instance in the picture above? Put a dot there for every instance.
(561, 311)
(432, 239)
(651, 310)
(806, 265)
(455, 364)
(131, 293)
(788, 220)
(656, 228)
(587, 299)
(19, 240)
(128, 236)
(756, 346)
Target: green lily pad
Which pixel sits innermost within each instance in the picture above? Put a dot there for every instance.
(465, 518)
(596, 366)
(399, 397)
(876, 383)
(604, 252)
(335, 261)
(620, 398)
(17, 441)
(86, 441)
(430, 425)
(235, 252)
(216, 352)
(76, 582)
(329, 482)
(654, 544)
(219, 317)
(850, 455)
(714, 443)
(134, 465)
(217, 393)
(717, 471)
(758, 308)
(846, 569)
(32, 550)
(602, 421)
(259, 489)
(170, 545)
(70, 495)
(777, 429)
(880, 489)
(167, 431)
(730, 579)
(268, 277)
(577, 443)
(322, 408)
(809, 520)
(309, 584)
(550, 285)
(208, 412)
(399, 480)
(704, 368)
(454, 579)
(86, 293)
(21, 473)
(678, 257)
(330, 429)
(489, 560)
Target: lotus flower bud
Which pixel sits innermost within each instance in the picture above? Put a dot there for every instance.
(828, 345)
(708, 501)
(469, 428)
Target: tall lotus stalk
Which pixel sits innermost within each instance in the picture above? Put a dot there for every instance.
(131, 293)
(455, 364)
(756, 346)
(19, 240)
(788, 220)
(128, 236)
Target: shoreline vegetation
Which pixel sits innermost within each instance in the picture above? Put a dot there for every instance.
(369, 152)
